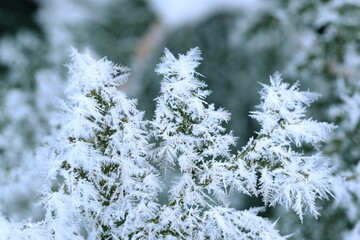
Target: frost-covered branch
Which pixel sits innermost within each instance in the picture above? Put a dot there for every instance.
(101, 164)
(105, 186)
(190, 137)
(288, 176)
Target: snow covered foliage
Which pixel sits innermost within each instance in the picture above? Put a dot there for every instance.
(287, 175)
(190, 137)
(325, 34)
(32, 71)
(102, 166)
(99, 183)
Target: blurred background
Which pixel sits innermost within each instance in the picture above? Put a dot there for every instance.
(242, 41)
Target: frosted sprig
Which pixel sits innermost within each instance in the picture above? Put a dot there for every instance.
(288, 176)
(190, 137)
(105, 186)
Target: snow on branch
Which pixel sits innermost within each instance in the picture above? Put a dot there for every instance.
(190, 136)
(105, 186)
(101, 165)
(288, 176)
